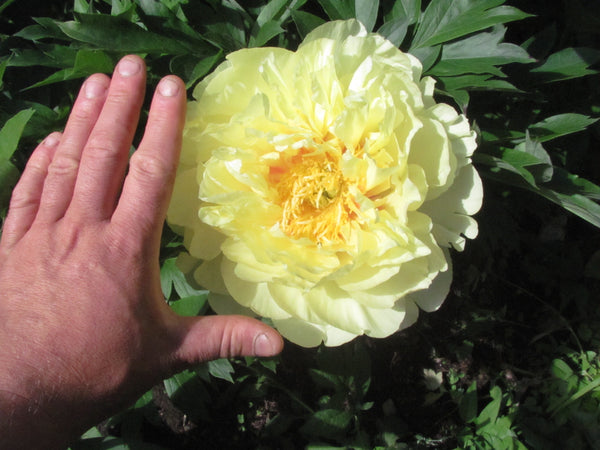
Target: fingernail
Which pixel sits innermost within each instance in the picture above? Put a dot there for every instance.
(94, 88)
(128, 67)
(263, 346)
(51, 141)
(168, 87)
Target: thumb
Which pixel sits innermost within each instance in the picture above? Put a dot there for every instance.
(212, 337)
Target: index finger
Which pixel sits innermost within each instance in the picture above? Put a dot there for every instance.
(147, 189)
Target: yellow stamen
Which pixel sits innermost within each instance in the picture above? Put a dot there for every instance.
(315, 198)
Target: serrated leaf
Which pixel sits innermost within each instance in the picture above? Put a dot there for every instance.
(568, 63)
(366, 12)
(306, 22)
(560, 125)
(480, 53)
(445, 20)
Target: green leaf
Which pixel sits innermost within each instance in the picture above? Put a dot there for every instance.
(171, 276)
(81, 6)
(427, 55)
(221, 368)
(405, 10)
(306, 22)
(326, 423)
(575, 203)
(445, 20)
(491, 410)
(480, 53)
(394, 30)
(541, 170)
(467, 408)
(261, 35)
(87, 62)
(568, 63)
(11, 132)
(190, 306)
(560, 125)
(271, 11)
(9, 176)
(119, 35)
(366, 12)
(188, 393)
(338, 9)
(476, 82)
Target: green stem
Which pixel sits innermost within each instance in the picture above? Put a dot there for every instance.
(5, 5)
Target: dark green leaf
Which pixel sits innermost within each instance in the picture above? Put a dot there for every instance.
(427, 55)
(188, 393)
(568, 183)
(87, 62)
(272, 11)
(541, 170)
(445, 20)
(366, 12)
(306, 22)
(568, 63)
(575, 203)
(338, 9)
(560, 125)
(480, 53)
(394, 31)
(119, 35)
(467, 408)
(327, 422)
(405, 10)
(11, 132)
(59, 56)
(261, 35)
(476, 82)
(221, 368)
(9, 175)
(191, 69)
(82, 6)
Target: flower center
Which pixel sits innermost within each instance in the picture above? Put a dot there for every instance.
(315, 198)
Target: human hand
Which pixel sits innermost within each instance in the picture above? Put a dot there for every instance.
(84, 328)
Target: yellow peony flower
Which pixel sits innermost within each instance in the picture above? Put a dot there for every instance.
(322, 188)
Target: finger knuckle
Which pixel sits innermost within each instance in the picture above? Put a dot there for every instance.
(63, 165)
(148, 167)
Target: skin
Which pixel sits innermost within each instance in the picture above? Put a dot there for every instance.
(84, 328)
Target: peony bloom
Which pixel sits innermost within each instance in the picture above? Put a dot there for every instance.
(322, 188)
